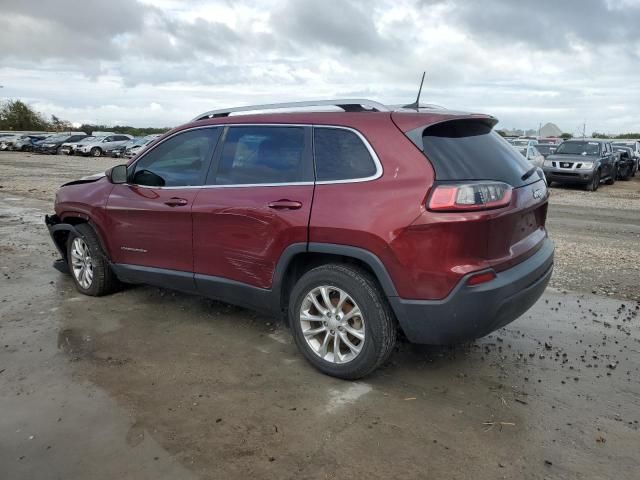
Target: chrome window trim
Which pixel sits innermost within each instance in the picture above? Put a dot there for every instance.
(374, 156)
(372, 152)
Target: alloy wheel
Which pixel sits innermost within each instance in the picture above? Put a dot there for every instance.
(332, 324)
(81, 263)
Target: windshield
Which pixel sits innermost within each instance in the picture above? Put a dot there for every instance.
(579, 148)
(520, 143)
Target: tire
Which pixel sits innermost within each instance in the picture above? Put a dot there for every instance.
(376, 321)
(612, 178)
(595, 183)
(625, 173)
(95, 152)
(103, 281)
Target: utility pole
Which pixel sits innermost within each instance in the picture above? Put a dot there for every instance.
(584, 129)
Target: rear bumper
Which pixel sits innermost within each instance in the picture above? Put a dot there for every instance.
(473, 312)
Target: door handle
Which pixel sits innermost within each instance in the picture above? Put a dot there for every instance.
(285, 205)
(176, 202)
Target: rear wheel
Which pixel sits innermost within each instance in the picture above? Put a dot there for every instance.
(95, 152)
(625, 172)
(341, 321)
(88, 263)
(595, 182)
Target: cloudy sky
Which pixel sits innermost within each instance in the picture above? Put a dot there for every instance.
(161, 62)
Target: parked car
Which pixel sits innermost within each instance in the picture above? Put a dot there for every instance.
(549, 141)
(68, 148)
(523, 142)
(118, 152)
(635, 147)
(100, 145)
(7, 140)
(582, 161)
(25, 142)
(627, 163)
(54, 143)
(139, 146)
(532, 154)
(545, 149)
(348, 225)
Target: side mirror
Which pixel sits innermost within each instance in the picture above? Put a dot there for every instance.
(118, 174)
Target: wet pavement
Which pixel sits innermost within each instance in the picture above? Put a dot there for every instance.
(148, 383)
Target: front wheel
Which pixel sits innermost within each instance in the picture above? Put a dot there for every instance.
(95, 152)
(341, 321)
(595, 182)
(612, 178)
(88, 263)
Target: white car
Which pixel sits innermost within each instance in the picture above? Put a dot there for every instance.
(532, 154)
(139, 146)
(100, 145)
(6, 140)
(69, 148)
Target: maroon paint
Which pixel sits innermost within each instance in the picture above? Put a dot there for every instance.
(144, 218)
(237, 235)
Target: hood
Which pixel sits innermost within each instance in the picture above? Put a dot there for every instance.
(88, 179)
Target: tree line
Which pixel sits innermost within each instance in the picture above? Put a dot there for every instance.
(17, 115)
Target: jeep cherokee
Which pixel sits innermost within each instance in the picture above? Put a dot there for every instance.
(352, 225)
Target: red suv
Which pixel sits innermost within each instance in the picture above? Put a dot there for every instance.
(353, 225)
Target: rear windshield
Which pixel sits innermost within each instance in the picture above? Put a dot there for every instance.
(470, 150)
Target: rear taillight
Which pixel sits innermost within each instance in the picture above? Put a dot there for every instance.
(469, 196)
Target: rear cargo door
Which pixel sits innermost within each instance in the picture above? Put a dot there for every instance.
(468, 150)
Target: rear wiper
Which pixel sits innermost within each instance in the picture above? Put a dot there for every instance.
(529, 173)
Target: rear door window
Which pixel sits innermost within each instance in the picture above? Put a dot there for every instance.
(254, 155)
(181, 160)
(470, 150)
(341, 155)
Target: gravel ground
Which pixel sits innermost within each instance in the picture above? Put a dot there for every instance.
(149, 383)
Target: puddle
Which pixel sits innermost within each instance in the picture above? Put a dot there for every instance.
(75, 343)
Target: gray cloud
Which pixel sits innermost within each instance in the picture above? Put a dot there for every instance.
(343, 24)
(552, 24)
(161, 63)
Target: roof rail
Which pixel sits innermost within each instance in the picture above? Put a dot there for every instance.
(348, 105)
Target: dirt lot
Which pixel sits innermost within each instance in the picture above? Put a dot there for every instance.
(148, 383)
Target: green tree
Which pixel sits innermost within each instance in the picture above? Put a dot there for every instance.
(566, 136)
(17, 115)
(135, 131)
(599, 135)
